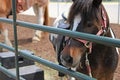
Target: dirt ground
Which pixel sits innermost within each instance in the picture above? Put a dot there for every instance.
(44, 48)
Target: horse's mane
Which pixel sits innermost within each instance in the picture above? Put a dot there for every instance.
(87, 10)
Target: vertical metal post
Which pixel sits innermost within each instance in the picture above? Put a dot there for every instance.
(118, 11)
(15, 38)
(58, 7)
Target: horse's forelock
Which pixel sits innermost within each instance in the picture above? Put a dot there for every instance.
(85, 8)
(79, 6)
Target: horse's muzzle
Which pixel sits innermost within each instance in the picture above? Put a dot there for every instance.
(66, 60)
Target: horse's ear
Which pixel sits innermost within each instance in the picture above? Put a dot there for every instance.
(97, 2)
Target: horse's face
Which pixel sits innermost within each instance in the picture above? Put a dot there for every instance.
(71, 54)
(84, 16)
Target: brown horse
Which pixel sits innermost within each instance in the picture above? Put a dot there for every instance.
(93, 59)
(40, 8)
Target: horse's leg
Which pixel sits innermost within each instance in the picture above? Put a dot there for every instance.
(4, 32)
(39, 11)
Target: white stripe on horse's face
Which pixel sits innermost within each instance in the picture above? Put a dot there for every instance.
(77, 20)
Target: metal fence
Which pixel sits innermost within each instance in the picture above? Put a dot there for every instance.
(93, 38)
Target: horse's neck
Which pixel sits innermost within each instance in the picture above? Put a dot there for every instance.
(29, 3)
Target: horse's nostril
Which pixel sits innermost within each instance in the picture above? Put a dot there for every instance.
(68, 59)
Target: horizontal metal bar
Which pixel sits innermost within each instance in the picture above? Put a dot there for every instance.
(93, 38)
(9, 74)
(50, 64)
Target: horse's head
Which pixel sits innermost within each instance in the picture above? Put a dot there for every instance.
(87, 16)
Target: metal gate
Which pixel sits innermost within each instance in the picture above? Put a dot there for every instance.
(93, 38)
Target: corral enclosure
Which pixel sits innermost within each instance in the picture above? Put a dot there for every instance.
(44, 48)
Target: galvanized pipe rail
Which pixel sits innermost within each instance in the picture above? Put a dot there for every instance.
(49, 64)
(93, 38)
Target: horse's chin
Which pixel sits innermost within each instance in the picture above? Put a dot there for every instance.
(74, 65)
(66, 64)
